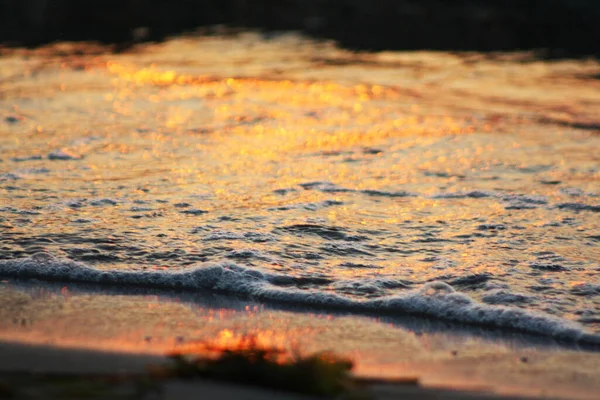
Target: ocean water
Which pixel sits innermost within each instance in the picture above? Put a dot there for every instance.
(458, 187)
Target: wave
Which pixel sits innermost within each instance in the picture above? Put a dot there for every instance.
(433, 299)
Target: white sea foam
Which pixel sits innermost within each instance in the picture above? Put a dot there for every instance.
(434, 299)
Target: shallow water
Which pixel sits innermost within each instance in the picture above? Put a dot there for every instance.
(461, 187)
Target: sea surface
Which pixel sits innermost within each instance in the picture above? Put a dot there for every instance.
(460, 187)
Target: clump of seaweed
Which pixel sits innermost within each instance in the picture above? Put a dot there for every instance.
(250, 362)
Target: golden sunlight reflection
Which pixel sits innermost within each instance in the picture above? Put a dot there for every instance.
(253, 125)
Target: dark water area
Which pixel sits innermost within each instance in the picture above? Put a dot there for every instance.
(558, 28)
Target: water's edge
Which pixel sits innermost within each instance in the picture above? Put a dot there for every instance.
(434, 299)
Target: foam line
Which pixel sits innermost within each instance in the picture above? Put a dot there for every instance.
(434, 299)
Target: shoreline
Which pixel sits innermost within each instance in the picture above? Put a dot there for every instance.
(446, 305)
(422, 323)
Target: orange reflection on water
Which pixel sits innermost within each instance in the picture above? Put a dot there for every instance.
(142, 76)
(276, 117)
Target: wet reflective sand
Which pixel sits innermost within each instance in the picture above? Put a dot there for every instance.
(308, 175)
